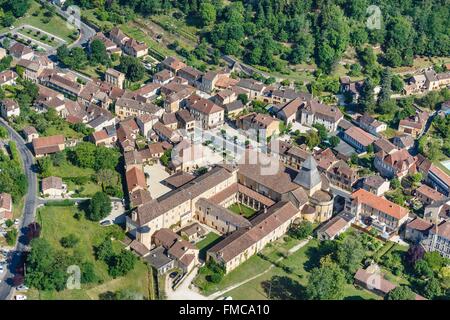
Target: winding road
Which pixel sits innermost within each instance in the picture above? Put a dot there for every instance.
(29, 210)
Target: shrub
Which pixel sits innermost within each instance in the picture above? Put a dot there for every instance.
(215, 278)
(69, 241)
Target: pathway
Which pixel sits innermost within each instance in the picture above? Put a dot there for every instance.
(290, 251)
(186, 291)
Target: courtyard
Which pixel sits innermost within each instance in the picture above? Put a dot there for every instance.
(155, 174)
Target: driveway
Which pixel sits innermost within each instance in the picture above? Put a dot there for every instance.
(6, 290)
(184, 292)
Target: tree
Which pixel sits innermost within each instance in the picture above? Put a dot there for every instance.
(166, 157)
(401, 293)
(414, 254)
(3, 133)
(312, 139)
(84, 155)
(386, 84)
(434, 260)
(326, 283)
(106, 158)
(98, 53)
(69, 241)
(104, 251)
(11, 237)
(207, 13)
(46, 268)
(88, 274)
(122, 263)
(350, 254)
(243, 98)
(367, 100)
(422, 269)
(132, 67)
(334, 141)
(332, 37)
(395, 184)
(99, 207)
(397, 84)
(432, 289)
(303, 230)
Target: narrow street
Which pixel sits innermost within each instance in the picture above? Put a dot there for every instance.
(29, 210)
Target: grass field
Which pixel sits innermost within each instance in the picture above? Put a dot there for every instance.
(58, 222)
(273, 281)
(56, 26)
(210, 240)
(281, 285)
(242, 210)
(68, 170)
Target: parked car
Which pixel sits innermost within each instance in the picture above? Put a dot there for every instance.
(173, 275)
(22, 287)
(21, 297)
(106, 223)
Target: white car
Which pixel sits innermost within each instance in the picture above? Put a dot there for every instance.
(16, 222)
(11, 28)
(2, 269)
(21, 297)
(22, 287)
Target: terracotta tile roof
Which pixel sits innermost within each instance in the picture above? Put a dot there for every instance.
(419, 224)
(135, 179)
(440, 174)
(30, 130)
(222, 213)
(255, 195)
(179, 179)
(100, 135)
(206, 106)
(193, 189)
(374, 181)
(401, 159)
(377, 281)
(173, 243)
(279, 181)
(139, 248)
(51, 183)
(380, 204)
(6, 201)
(45, 145)
(430, 193)
(385, 145)
(335, 225)
(263, 224)
(173, 62)
(360, 135)
(139, 197)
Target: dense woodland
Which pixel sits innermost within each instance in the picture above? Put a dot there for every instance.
(271, 33)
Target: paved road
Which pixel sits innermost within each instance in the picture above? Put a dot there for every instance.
(29, 210)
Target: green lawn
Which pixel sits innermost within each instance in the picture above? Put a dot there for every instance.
(58, 222)
(57, 26)
(210, 240)
(248, 269)
(67, 170)
(242, 210)
(275, 281)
